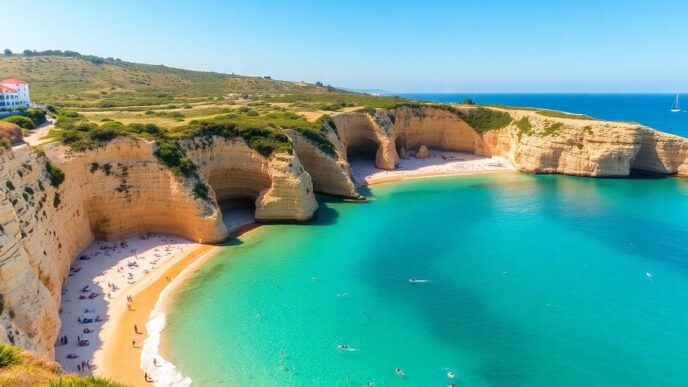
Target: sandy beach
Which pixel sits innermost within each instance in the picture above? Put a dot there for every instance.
(110, 292)
(439, 163)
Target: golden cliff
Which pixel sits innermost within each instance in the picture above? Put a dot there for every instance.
(123, 189)
(532, 142)
(279, 185)
(118, 190)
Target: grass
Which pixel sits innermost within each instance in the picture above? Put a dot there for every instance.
(524, 126)
(80, 82)
(552, 128)
(9, 356)
(19, 368)
(558, 114)
(544, 112)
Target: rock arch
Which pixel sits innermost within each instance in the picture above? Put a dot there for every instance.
(361, 136)
(279, 186)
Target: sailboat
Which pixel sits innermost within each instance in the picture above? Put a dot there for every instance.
(675, 107)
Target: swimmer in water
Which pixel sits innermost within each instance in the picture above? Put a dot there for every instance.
(399, 372)
(451, 374)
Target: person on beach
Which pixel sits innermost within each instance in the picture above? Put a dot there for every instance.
(133, 343)
(136, 329)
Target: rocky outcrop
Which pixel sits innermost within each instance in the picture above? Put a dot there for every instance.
(330, 175)
(586, 147)
(279, 185)
(9, 134)
(118, 190)
(423, 152)
(532, 142)
(360, 134)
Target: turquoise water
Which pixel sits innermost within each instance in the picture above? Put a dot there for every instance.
(653, 110)
(533, 281)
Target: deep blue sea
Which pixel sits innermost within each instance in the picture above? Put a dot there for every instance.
(652, 110)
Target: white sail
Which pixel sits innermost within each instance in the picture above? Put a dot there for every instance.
(675, 107)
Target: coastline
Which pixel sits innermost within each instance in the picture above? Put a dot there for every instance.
(118, 360)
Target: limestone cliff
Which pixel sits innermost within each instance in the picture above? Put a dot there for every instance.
(280, 186)
(330, 175)
(533, 142)
(118, 190)
(586, 147)
(360, 134)
(123, 189)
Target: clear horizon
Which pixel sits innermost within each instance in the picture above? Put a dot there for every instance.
(584, 46)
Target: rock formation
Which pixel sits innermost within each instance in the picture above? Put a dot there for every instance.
(123, 189)
(423, 152)
(330, 175)
(118, 190)
(532, 142)
(279, 185)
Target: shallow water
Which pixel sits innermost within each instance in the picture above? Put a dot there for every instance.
(533, 280)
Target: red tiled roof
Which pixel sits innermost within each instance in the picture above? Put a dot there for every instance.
(13, 81)
(6, 89)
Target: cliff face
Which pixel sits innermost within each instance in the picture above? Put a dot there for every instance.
(586, 147)
(330, 175)
(534, 143)
(111, 192)
(122, 189)
(280, 186)
(360, 134)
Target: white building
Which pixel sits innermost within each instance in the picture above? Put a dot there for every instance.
(14, 93)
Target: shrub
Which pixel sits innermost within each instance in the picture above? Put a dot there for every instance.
(21, 121)
(172, 155)
(37, 116)
(524, 126)
(9, 356)
(552, 128)
(468, 101)
(103, 134)
(55, 174)
(483, 119)
(201, 190)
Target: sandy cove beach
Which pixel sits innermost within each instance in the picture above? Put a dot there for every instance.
(97, 315)
(438, 163)
(116, 286)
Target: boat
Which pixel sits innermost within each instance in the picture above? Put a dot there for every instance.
(417, 281)
(675, 108)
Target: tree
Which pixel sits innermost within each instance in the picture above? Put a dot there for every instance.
(8, 52)
(468, 101)
(319, 84)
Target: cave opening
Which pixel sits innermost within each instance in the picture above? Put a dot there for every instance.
(236, 193)
(362, 149)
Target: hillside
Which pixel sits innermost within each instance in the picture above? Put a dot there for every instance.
(89, 82)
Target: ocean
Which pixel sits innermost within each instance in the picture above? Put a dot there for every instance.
(653, 110)
(521, 281)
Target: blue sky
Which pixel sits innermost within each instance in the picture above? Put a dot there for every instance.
(404, 46)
